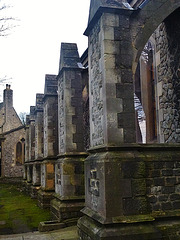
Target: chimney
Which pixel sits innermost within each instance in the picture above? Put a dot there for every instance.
(8, 97)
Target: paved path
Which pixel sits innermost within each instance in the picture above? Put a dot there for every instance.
(69, 233)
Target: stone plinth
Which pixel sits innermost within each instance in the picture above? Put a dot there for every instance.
(44, 198)
(69, 187)
(36, 174)
(29, 177)
(91, 230)
(29, 173)
(24, 172)
(36, 179)
(45, 195)
(47, 174)
(132, 187)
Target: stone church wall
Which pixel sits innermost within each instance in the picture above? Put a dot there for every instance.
(168, 78)
(13, 133)
(10, 167)
(12, 120)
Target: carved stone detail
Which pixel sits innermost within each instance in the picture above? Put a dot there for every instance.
(96, 96)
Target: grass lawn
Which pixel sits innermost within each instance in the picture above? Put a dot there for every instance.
(18, 212)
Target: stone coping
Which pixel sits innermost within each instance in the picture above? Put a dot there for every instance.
(105, 9)
(135, 147)
(69, 198)
(155, 215)
(73, 154)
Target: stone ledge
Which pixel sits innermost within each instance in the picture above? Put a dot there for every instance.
(89, 229)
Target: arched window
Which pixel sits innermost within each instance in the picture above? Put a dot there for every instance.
(145, 96)
(19, 153)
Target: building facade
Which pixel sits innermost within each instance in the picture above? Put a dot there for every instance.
(12, 138)
(118, 116)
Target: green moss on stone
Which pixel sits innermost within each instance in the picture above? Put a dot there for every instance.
(18, 212)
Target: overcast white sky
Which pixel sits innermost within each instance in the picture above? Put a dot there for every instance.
(33, 48)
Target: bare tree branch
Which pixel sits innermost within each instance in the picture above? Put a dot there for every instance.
(22, 116)
(6, 25)
(5, 79)
(6, 22)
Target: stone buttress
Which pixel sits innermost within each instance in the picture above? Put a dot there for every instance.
(119, 184)
(30, 134)
(36, 178)
(26, 148)
(50, 145)
(69, 169)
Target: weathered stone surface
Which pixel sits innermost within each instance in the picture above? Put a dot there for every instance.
(50, 141)
(39, 127)
(70, 108)
(29, 173)
(48, 175)
(109, 96)
(36, 174)
(44, 198)
(27, 139)
(167, 45)
(32, 134)
(69, 169)
(137, 193)
(69, 177)
(12, 138)
(65, 210)
(50, 116)
(88, 229)
(128, 188)
(69, 56)
(96, 6)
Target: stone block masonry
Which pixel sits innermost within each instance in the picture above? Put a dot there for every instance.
(131, 191)
(69, 169)
(39, 127)
(111, 93)
(167, 46)
(127, 193)
(27, 139)
(32, 134)
(39, 150)
(50, 116)
(146, 189)
(11, 139)
(10, 166)
(50, 141)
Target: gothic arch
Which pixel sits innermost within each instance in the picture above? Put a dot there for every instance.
(20, 151)
(146, 21)
(166, 66)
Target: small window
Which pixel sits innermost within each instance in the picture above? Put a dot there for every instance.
(19, 154)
